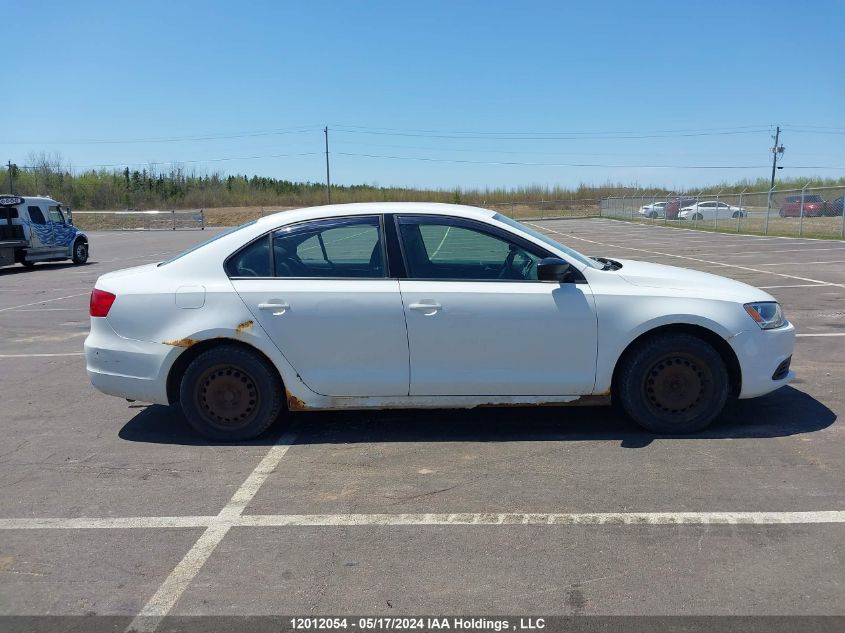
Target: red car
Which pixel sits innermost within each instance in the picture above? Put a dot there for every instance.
(814, 206)
(675, 205)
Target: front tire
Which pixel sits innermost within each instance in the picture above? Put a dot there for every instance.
(80, 252)
(697, 216)
(673, 383)
(230, 394)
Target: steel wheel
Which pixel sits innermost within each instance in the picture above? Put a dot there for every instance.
(677, 386)
(230, 393)
(672, 383)
(227, 397)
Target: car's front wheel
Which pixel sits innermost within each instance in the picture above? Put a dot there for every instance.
(673, 383)
(80, 252)
(229, 394)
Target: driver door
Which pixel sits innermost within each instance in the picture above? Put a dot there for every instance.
(479, 322)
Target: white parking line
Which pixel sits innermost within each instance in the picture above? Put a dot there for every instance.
(822, 334)
(217, 528)
(686, 257)
(794, 286)
(175, 584)
(41, 355)
(838, 261)
(35, 303)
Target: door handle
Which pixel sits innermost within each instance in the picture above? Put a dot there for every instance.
(277, 308)
(428, 308)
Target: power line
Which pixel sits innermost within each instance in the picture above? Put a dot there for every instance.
(174, 139)
(203, 160)
(547, 137)
(537, 164)
(580, 132)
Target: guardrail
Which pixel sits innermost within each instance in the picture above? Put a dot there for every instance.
(129, 220)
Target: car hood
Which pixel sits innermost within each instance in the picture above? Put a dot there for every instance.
(696, 283)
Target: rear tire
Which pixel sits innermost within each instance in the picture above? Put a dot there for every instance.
(230, 394)
(27, 264)
(80, 252)
(673, 383)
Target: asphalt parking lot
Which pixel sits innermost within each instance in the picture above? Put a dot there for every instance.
(114, 508)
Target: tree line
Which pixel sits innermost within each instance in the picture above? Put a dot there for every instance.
(178, 188)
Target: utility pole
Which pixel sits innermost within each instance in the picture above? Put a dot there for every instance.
(328, 178)
(11, 178)
(777, 150)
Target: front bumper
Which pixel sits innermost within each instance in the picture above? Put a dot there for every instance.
(127, 368)
(761, 353)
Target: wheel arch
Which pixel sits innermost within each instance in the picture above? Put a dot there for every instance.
(718, 343)
(180, 365)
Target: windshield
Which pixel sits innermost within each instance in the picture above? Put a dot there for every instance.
(583, 259)
(208, 241)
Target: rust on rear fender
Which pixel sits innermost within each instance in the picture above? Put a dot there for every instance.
(294, 403)
(182, 342)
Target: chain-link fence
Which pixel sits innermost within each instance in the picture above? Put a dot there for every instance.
(808, 212)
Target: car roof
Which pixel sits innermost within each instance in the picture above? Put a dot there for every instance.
(29, 199)
(365, 208)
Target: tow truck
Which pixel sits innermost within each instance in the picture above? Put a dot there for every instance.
(38, 229)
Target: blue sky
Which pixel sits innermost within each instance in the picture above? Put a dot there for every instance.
(465, 85)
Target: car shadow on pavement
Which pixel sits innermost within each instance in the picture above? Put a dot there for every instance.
(17, 269)
(785, 412)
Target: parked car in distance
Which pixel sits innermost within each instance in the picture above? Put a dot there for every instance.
(670, 211)
(814, 206)
(420, 305)
(652, 210)
(711, 210)
(835, 207)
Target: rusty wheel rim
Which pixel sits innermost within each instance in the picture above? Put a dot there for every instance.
(677, 385)
(227, 396)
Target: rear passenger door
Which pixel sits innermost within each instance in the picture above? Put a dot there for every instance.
(321, 292)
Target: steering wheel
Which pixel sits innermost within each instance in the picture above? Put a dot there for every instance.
(507, 264)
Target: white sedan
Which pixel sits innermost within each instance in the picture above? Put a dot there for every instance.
(653, 210)
(412, 305)
(711, 210)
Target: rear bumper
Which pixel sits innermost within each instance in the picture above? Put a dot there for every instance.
(127, 368)
(760, 354)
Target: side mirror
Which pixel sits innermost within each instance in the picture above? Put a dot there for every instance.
(553, 269)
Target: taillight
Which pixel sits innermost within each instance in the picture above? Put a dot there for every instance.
(100, 303)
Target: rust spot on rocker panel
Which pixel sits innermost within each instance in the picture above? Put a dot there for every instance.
(582, 401)
(182, 342)
(294, 403)
(242, 327)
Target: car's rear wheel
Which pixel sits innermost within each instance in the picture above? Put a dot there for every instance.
(673, 383)
(229, 393)
(737, 214)
(80, 252)
(27, 264)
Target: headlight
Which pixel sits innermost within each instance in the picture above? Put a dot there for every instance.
(767, 314)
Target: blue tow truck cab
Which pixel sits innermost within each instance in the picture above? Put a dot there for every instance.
(37, 229)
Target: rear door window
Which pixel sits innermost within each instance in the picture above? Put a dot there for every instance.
(333, 248)
(36, 216)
